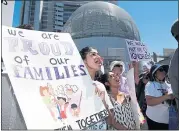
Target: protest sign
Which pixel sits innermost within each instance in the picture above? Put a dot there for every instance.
(137, 50)
(134, 104)
(50, 81)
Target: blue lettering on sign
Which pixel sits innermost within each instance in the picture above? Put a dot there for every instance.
(35, 73)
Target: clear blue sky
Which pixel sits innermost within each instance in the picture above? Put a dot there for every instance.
(17, 12)
(153, 19)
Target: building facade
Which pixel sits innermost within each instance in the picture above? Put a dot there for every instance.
(104, 26)
(48, 15)
(168, 52)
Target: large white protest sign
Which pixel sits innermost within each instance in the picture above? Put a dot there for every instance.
(137, 50)
(51, 83)
(134, 104)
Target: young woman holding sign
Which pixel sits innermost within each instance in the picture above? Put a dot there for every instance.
(93, 63)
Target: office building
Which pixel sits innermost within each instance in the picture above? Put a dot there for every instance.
(48, 15)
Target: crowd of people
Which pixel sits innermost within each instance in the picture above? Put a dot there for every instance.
(153, 92)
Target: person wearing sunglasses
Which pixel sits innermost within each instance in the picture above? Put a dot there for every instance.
(173, 70)
(157, 92)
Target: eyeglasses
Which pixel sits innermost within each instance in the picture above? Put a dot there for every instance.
(161, 69)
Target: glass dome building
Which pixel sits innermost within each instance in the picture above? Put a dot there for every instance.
(104, 26)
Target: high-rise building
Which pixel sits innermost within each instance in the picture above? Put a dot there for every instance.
(48, 15)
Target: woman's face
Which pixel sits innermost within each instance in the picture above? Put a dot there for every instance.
(93, 60)
(160, 74)
(113, 80)
(117, 70)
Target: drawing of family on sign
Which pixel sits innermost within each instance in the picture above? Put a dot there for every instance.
(61, 100)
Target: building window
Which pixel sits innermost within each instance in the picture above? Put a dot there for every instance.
(32, 13)
(71, 5)
(70, 10)
(32, 8)
(44, 26)
(44, 22)
(31, 18)
(31, 22)
(33, 3)
(44, 17)
(44, 13)
(45, 8)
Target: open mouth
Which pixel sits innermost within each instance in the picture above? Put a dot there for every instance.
(117, 80)
(98, 61)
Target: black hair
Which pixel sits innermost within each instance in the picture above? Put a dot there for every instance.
(26, 26)
(61, 98)
(98, 74)
(73, 106)
(152, 77)
(85, 51)
(118, 65)
(103, 79)
(146, 75)
(141, 85)
(140, 88)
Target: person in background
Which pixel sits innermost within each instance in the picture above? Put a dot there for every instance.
(26, 26)
(123, 113)
(143, 80)
(173, 70)
(157, 92)
(118, 68)
(93, 63)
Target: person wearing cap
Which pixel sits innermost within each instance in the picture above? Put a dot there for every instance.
(173, 70)
(118, 68)
(157, 92)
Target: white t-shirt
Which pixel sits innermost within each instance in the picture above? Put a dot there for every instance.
(160, 112)
(102, 125)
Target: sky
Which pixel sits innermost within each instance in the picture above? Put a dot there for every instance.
(17, 12)
(153, 19)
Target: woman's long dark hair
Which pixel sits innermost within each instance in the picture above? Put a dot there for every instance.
(141, 85)
(85, 51)
(103, 78)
